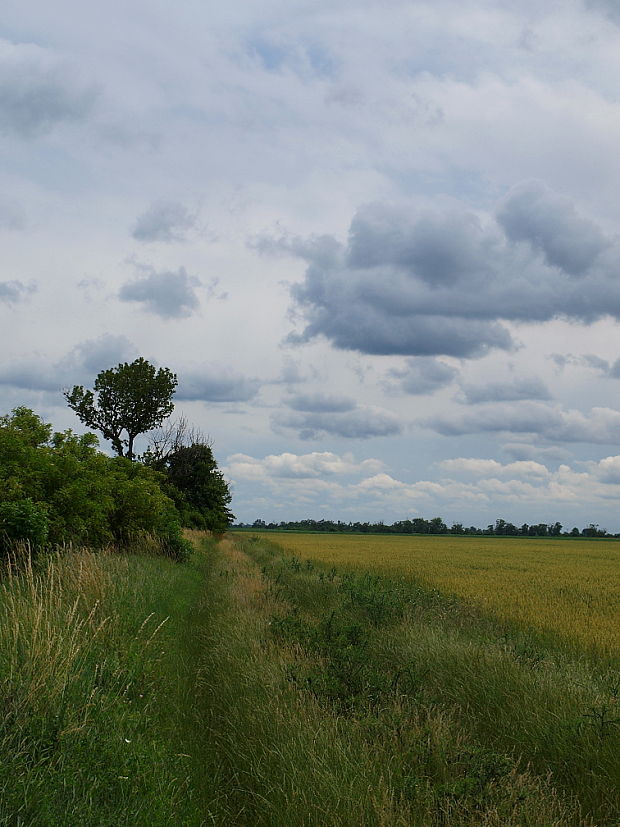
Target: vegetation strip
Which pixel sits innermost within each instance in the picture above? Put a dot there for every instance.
(94, 673)
(248, 687)
(370, 640)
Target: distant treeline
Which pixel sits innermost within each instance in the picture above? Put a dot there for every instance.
(418, 525)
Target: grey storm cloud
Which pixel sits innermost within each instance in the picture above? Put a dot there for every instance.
(359, 423)
(37, 92)
(216, 385)
(167, 294)
(79, 366)
(443, 281)
(552, 225)
(424, 375)
(321, 403)
(552, 424)
(166, 221)
(514, 390)
(12, 292)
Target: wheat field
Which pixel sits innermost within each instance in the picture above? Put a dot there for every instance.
(570, 588)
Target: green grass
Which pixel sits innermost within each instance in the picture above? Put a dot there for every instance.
(247, 687)
(368, 638)
(93, 667)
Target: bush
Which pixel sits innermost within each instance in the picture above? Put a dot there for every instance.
(61, 489)
(22, 521)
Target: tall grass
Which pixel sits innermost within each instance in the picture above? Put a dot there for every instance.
(89, 666)
(567, 590)
(308, 726)
(247, 687)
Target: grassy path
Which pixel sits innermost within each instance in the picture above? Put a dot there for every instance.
(318, 711)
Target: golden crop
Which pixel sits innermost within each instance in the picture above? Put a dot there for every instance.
(560, 586)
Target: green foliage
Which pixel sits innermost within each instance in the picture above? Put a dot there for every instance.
(194, 481)
(132, 398)
(193, 471)
(22, 521)
(57, 487)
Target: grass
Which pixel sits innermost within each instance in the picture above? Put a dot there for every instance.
(92, 661)
(251, 687)
(565, 589)
(307, 726)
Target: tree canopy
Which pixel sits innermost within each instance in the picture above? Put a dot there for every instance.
(128, 400)
(194, 480)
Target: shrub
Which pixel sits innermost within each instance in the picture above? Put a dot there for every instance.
(22, 521)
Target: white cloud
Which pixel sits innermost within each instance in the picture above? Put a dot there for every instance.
(490, 467)
(298, 466)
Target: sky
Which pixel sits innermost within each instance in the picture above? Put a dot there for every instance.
(378, 243)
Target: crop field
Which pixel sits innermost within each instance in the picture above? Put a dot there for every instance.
(568, 589)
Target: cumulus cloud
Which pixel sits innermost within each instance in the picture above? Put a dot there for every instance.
(213, 383)
(38, 92)
(363, 422)
(513, 390)
(12, 292)
(552, 424)
(298, 466)
(166, 221)
(425, 282)
(168, 294)
(552, 226)
(422, 375)
(608, 470)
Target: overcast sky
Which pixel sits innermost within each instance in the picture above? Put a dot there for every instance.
(379, 243)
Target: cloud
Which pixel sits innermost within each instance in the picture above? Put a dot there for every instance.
(166, 221)
(525, 452)
(321, 403)
(297, 466)
(588, 360)
(167, 294)
(552, 424)
(95, 355)
(12, 292)
(490, 467)
(38, 91)
(551, 225)
(608, 470)
(363, 422)
(443, 281)
(423, 375)
(513, 390)
(216, 384)
(79, 366)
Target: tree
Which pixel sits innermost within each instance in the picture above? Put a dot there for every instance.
(183, 453)
(130, 399)
(192, 469)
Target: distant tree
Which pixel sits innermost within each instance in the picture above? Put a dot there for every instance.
(127, 400)
(437, 526)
